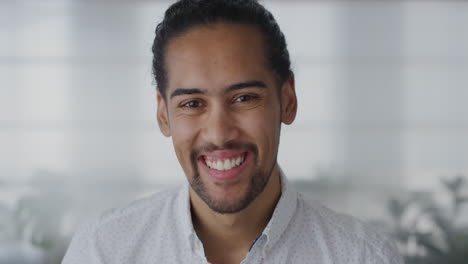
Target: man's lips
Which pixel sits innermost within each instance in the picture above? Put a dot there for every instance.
(224, 164)
(222, 154)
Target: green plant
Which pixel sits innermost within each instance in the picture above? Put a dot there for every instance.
(429, 232)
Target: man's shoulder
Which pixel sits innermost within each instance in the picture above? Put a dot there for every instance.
(153, 203)
(347, 225)
(117, 234)
(344, 230)
(152, 208)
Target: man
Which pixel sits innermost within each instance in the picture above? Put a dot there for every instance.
(224, 89)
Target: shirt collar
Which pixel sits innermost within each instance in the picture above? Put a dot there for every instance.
(278, 223)
(282, 214)
(183, 208)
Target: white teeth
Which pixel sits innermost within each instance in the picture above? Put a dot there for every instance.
(219, 165)
(227, 164)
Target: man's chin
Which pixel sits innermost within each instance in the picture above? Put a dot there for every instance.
(227, 207)
(224, 198)
(228, 198)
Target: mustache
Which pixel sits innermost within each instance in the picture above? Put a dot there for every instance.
(226, 146)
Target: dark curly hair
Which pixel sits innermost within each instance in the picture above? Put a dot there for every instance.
(185, 14)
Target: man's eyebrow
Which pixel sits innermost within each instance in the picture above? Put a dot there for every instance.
(247, 84)
(182, 91)
(237, 86)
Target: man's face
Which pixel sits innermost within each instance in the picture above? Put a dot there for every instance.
(223, 111)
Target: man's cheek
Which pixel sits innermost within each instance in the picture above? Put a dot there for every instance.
(185, 130)
(184, 136)
(258, 119)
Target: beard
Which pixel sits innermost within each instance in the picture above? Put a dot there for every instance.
(257, 181)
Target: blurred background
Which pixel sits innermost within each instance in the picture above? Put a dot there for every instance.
(381, 132)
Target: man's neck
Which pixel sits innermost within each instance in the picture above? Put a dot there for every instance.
(234, 233)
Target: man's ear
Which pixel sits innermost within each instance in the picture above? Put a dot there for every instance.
(288, 101)
(162, 115)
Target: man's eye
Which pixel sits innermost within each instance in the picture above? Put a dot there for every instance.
(192, 104)
(245, 98)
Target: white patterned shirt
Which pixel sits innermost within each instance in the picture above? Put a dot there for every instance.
(159, 229)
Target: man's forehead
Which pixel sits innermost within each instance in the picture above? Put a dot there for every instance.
(220, 39)
(220, 55)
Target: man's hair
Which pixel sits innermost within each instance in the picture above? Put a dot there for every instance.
(185, 14)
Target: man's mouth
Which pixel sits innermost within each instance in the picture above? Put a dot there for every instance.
(224, 164)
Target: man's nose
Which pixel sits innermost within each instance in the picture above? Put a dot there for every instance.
(221, 127)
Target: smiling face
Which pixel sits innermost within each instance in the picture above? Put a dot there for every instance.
(223, 109)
